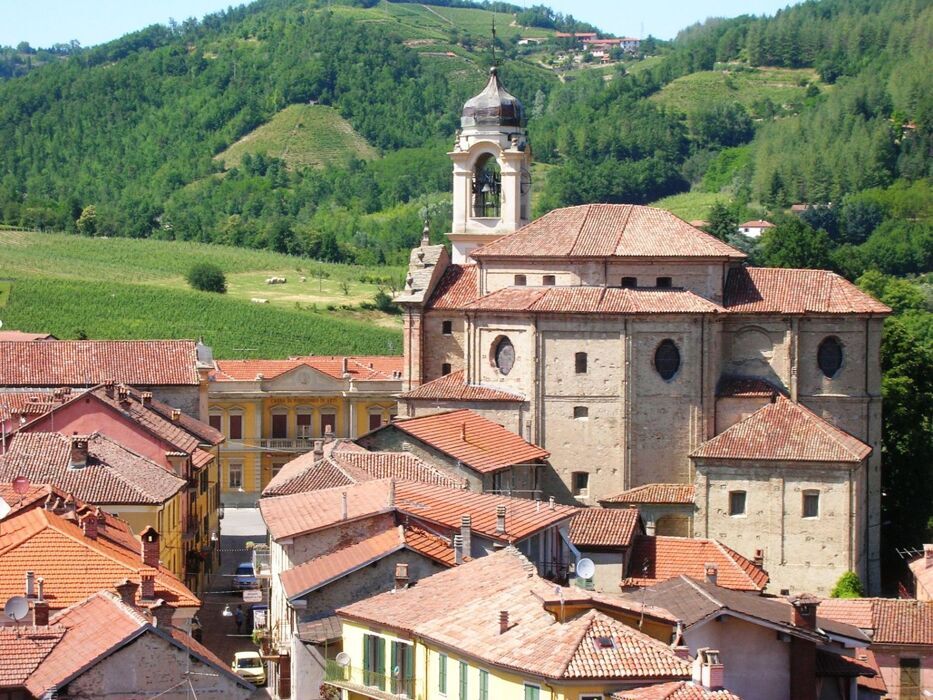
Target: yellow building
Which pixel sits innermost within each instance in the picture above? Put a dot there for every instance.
(492, 629)
(272, 410)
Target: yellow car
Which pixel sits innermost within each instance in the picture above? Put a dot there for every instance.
(248, 666)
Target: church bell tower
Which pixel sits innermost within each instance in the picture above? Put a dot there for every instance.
(492, 176)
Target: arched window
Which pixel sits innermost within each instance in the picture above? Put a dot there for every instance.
(487, 187)
(629, 282)
(667, 359)
(829, 356)
(504, 355)
(580, 362)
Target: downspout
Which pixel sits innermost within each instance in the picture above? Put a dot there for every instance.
(539, 381)
(552, 691)
(868, 478)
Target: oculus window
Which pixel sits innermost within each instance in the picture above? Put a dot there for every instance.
(503, 355)
(667, 360)
(829, 357)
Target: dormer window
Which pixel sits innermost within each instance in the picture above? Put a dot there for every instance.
(629, 282)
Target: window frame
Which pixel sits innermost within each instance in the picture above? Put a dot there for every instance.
(463, 680)
(220, 421)
(733, 513)
(804, 496)
(277, 419)
(581, 362)
(667, 343)
(664, 282)
(327, 412)
(483, 684)
(549, 280)
(580, 492)
(628, 282)
(520, 281)
(497, 346)
(238, 415)
(581, 412)
(238, 471)
(536, 691)
(842, 356)
(447, 327)
(445, 369)
(442, 673)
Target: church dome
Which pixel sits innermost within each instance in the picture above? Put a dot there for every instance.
(494, 106)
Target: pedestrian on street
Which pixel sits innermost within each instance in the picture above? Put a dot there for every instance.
(238, 618)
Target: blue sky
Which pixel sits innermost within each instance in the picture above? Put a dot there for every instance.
(45, 22)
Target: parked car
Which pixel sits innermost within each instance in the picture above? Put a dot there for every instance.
(248, 666)
(245, 577)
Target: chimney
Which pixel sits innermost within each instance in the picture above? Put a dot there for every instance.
(101, 518)
(318, 449)
(759, 559)
(162, 614)
(344, 366)
(108, 387)
(503, 621)
(146, 398)
(328, 433)
(928, 556)
(89, 525)
(68, 507)
(426, 234)
(804, 614)
(78, 452)
(458, 550)
(681, 650)
(40, 613)
(466, 534)
(550, 503)
(122, 393)
(176, 414)
(127, 590)
(463, 432)
(344, 510)
(150, 547)
(401, 575)
(711, 572)
(30, 584)
(391, 498)
(500, 519)
(147, 589)
(707, 669)
(803, 650)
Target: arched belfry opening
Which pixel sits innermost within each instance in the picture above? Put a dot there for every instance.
(492, 169)
(487, 187)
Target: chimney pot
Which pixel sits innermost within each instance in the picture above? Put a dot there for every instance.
(40, 613)
(149, 553)
(78, 452)
(759, 559)
(466, 534)
(30, 584)
(127, 590)
(176, 414)
(712, 573)
(500, 519)
(458, 550)
(40, 588)
(707, 669)
(318, 449)
(503, 621)
(550, 503)
(146, 398)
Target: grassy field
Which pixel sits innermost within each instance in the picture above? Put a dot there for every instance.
(303, 136)
(125, 288)
(691, 205)
(780, 85)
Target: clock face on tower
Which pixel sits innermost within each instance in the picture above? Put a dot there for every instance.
(525, 181)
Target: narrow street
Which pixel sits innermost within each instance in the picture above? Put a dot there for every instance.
(239, 526)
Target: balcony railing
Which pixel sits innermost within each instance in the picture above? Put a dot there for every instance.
(302, 444)
(369, 683)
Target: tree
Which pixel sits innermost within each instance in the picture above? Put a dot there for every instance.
(860, 217)
(87, 222)
(794, 244)
(722, 221)
(207, 277)
(848, 586)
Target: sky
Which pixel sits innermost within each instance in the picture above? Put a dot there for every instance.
(46, 22)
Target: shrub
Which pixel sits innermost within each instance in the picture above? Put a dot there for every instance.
(207, 277)
(383, 302)
(848, 586)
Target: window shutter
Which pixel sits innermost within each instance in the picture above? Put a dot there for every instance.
(483, 684)
(464, 670)
(409, 669)
(367, 661)
(442, 673)
(380, 660)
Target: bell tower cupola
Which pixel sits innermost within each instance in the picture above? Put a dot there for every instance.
(492, 169)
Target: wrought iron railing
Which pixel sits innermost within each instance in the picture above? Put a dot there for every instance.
(361, 680)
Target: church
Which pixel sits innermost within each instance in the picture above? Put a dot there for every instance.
(657, 367)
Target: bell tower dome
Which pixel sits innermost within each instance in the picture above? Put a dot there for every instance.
(492, 169)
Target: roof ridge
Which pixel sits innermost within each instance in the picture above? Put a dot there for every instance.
(580, 637)
(828, 429)
(702, 591)
(628, 215)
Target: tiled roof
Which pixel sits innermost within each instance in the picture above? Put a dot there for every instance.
(695, 602)
(325, 629)
(457, 287)
(657, 558)
(22, 649)
(360, 368)
(73, 566)
(430, 545)
(90, 362)
(770, 290)
(608, 230)
(594, 300)
(603, 527)
(27, 403)
(784, 431)
(21, 336)
(923, 576)
(757, 223)
(746, 387)
(403, 466)
(874, 683)
(830, 664)
(656, 493)
(891, 620)
(113, 474)
(426, 264)
(677, 690)
(459, 609)
(475, 441)
(451, 387)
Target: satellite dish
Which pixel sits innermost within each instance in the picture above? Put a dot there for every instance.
(16, 608)
(4, 509)
(585, 569)
(21, 485)
(343, 659)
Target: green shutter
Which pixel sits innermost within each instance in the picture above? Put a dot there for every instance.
(380, 661)
(393, 662)
(409, 669)
(366, 660)
(464, 670)
(531, 692)
(483, 684)
(442, 673)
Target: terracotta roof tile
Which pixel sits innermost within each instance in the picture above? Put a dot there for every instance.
(757, 223)
(377, 368)
(113, 474)
(402, 466)
(891, 620)
(677, 690)
(770, 290)
(451, 387)
(837, 665)
(475, 441)
(746, 387)
(27, 404)
(90, 362)
(784, 431)
(22, 649)
(459, 609)
(594, 300)
(657, 558)
(326, 629)
(21, 336)
(457, 287)
(656, 493)
(608, 230)
(923, 576)
(430, 545)
(604, 527)
(72, 565)
(874, 683)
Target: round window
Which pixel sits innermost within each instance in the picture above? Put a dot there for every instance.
(829, 356)
(504, 355)
(667, 359)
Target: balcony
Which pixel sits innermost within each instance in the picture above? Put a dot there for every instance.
(368, 683)
(301, 444)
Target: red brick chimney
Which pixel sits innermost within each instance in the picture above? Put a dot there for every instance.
(804, 607)
(89, 525)
(759, 559)
(162, 614)
(500, 519)
(78, 452)
(40, 613)
(150, 547)
(147, 576)
(127, 591)
(803, 651)
(503, 621)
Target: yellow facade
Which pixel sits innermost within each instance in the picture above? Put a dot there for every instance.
(426, 682)
(167, 520)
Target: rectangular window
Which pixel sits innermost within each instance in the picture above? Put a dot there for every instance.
(664, 282)
(235, 472)
(581, 412)
(736, 503)
(445, 369)
(532, 692)
(520, 280)
(910, 679)
(580, 362)
(629, 282)
(442, 674)
(401, 668)
(374, 661)
(811, 504)
(549, 280)
(328, 423)
(580, 483)
(236, 427)
(464, 680)
(447, 328)
(280, 426)
(375, 420)
(483, 684)
(214, 420)
(304, 425)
